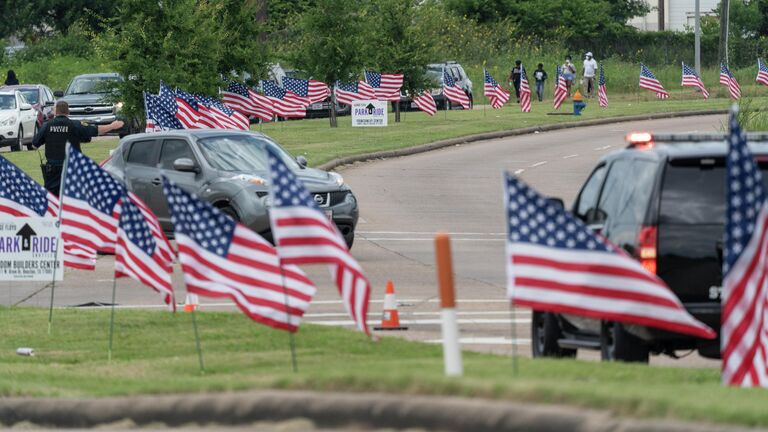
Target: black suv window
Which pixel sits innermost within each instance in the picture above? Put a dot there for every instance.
(143, 153)
(627, 191)
(172, 150)
(589, 193)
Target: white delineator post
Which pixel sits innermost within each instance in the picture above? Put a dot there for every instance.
(451, 348)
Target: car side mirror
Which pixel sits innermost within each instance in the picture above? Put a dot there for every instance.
(25, 107)
(596, 228)
(185, 165)
(49, 103)
(557, 202)
(302, 161)
(58, 93)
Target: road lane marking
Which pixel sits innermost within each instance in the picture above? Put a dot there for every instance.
(484, 341)
(538, 164)
(520, 171)
(602, 148)
(570, 156)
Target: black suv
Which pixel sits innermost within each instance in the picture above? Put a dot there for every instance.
(662, 200)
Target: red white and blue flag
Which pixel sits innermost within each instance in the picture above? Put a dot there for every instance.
(221, 258)
(216, 115)
(525, 91)
(556, 264)
(186, 109)
(648, 81)
(239, 97)
(166, 99)
(142, 253)
(453, 91)
(158, 118)
(347, 93)
(762, 73)
(691, 79)
(745, 281)
(493, 91)
(426, 103)
(283, 104)
(386, 85)
(602, 94)
(561, 89)
(305, 235)
(310, 91)
(727, 79)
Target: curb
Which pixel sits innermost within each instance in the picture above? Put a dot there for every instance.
(330, 410)
(422, 148)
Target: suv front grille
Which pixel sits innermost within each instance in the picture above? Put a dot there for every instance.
(326, 199)
(90, 109)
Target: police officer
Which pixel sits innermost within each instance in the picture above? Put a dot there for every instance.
(55, 134)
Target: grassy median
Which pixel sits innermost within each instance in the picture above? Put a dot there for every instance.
(154, 352)
(319, 143)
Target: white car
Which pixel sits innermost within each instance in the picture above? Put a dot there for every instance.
(18, 120)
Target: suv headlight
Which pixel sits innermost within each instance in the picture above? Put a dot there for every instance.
(7, 121)
(337, 178)
(118, 107)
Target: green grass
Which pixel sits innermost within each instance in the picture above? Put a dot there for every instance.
(320, 143)
(154, 352)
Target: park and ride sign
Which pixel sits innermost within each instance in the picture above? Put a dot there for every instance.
(28, 249)
(369, 113)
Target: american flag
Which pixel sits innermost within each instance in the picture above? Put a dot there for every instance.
(648, 81)
(215, 115)
(266, 108)
(555, 263)
(561, 89)
(745, 283)
(158, 118)
(525, 91)
(282, 104)
(602, 94)
(221, 258)
(305, 235)
(238, 97)
(762, 73)
(347, 93)
(493, 91)
(90, 204)
(727, 79)
(386, 85)
(453, 91)
(139, 253)
(310, 91)
(20, 196)
(186, 109)
(691, 79)
(426, 103)
(166, 99)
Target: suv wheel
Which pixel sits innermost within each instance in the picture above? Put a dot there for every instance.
(616, 344)
(228, 210)
(545, 332)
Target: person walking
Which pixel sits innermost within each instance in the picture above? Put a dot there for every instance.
(10, 78)
(56, 133)
(569, 73)
(588, 72)
(540, 75)
(514, 78)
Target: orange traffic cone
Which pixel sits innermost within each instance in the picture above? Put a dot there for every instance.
(390, 320)
(191, 303)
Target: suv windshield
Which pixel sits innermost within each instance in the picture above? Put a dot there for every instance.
(241, 153)
(30, 95)
(90, 85)
(7, 101)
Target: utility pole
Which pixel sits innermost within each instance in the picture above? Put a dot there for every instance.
(661, 15)
(697, 36)
(722, 52)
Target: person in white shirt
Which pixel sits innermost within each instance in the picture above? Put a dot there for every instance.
(588, 72)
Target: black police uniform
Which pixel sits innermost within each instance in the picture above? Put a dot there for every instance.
(55, 134)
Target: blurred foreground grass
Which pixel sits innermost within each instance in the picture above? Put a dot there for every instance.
(154, 352)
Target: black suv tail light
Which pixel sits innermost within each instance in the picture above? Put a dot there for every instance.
(647, 247)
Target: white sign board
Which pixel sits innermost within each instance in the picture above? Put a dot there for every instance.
(27, 249)
(370, 113)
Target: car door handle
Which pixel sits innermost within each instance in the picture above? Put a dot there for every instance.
(157, 181)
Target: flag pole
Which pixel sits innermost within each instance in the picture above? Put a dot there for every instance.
(484, 95)
(291, 340)
(197, 342)
(510, 293)
(112, 318)
(61, 245)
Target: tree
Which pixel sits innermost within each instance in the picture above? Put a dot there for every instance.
(401, 44)
(32, 19)
(331, 42)
(191, 44)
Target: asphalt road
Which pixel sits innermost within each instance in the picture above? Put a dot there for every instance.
(404, 202)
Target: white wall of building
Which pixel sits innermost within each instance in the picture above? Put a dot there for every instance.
(677, 14)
